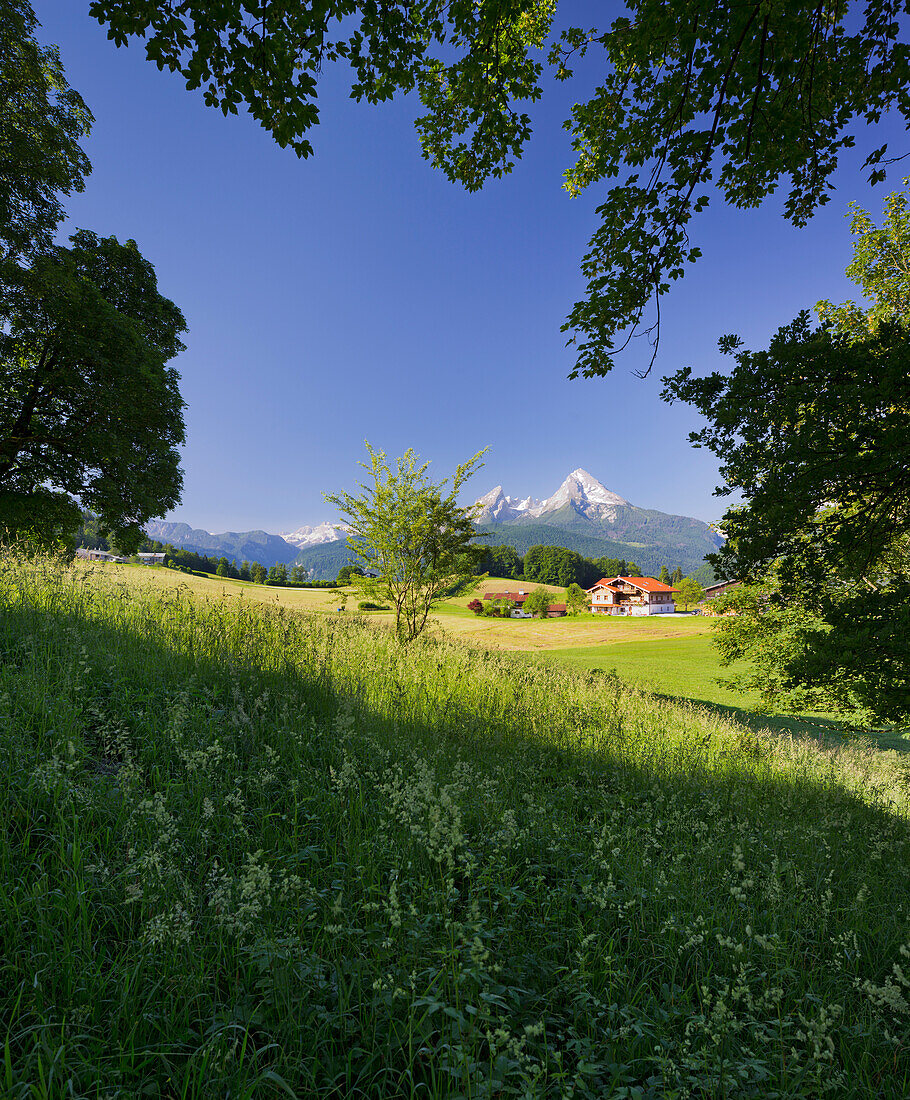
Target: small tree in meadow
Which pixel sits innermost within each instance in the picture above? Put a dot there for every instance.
(689, 591)
(476, 606)
(576, 599)
(538, 603)
(412, 534)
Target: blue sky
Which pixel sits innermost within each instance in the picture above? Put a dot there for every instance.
(359, 295)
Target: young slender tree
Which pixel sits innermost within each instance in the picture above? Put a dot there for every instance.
(576, 599)
(410, 534)
(689, 592)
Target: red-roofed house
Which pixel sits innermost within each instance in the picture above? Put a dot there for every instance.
(517, 599)
(631, 596)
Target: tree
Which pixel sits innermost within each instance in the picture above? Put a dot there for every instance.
(89, 409)
(538, 602)
(576, 599)
(41, 122)
(500, 561)
(278, 574)
(346, 574)
(476, 606)
(258, 573)
(689, 591)
(664, 576)
(555, 565)
(222, 570)
(411, 534)
(694, 96)
(814, 433)
(244, 570)
(881, 269)
(852, 659)
(299, 574)
(677, 575)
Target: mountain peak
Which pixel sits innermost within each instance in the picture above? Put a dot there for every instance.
(584, 491)
(580, 490)
(312, 536)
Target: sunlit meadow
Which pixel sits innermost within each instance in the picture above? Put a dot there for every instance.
(250, 853)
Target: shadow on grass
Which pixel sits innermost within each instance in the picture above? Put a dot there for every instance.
(830, 731)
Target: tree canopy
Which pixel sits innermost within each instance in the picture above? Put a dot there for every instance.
(814, 433)
(41, 122)
(89, 409)
(90, 413)
(694, 96)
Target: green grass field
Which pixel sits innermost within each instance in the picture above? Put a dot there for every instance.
(671, 656)
(250, 852)
(687, 667)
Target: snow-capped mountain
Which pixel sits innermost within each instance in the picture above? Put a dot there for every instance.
(583, 492)
(496, 507)
(580, 491)
(584, 515)
(312, 536)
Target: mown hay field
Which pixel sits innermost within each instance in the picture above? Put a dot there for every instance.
(256, 853)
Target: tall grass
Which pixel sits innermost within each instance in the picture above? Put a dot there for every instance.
(249, 853)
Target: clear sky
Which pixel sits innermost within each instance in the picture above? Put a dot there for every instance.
(359, 295)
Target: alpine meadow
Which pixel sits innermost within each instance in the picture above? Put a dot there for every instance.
(368, 781)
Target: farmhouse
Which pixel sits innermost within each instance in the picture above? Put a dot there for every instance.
(517, 599)
(104, 555)
(99, 555)
(631, 596)
(712, 591)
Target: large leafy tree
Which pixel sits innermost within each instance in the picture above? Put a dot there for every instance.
(410, 536)
(694, 96)
(90, 411)
(814, 433)
(41, 122)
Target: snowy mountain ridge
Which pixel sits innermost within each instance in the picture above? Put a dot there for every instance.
(580, 490)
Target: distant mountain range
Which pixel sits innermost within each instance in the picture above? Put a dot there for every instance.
(582, 515)
(237, 545)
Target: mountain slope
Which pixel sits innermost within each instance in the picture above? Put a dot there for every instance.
(237, 545)
(584, 515)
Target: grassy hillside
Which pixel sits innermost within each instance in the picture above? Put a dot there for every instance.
(251, 852)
